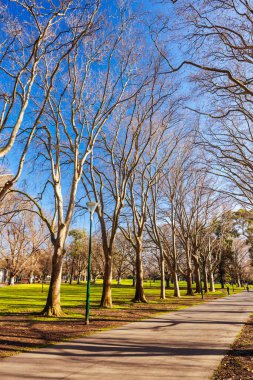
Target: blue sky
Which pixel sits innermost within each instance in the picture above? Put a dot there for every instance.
(29, 178)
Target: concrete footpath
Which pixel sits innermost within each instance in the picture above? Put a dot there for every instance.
(187, 344)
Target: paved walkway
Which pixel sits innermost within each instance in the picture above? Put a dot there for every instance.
(187, 344)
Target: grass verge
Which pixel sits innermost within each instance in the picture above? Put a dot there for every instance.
(238, 364)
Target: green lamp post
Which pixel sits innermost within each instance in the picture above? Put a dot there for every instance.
(91, 207)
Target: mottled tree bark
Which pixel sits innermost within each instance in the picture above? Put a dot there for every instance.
(189, 282)
(53, 304)
(106, 299)
(205, 280)
(162, 267)
(176, 285)
(139, 288)
(134, 279)
(197, 277)
(11, 279)
(212, 286)
(189, 271)
(168, 281)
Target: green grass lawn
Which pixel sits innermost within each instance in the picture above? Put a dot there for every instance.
(29, 298)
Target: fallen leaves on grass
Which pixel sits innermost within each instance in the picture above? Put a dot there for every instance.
(238, 364)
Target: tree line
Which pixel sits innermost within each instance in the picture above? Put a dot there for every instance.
(95, 106)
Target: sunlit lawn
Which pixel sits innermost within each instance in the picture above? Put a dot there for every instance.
(22, 328)
(30, 299)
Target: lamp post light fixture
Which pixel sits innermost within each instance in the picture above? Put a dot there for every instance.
(91, 207)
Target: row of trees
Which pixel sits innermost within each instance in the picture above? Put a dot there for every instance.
(186, 232)
(92, 105)
(26, 253)
(25, 249)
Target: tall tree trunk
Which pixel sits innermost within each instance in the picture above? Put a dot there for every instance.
(72, 272)
(222, 275)
(222, 283)
(134, 278)
(205, 279)
(162, 291)
(11, 279)
(176, 285)
(53, 304)
(189, 282)
(139, 288)
(212, 286)
(174, 248)
(31, 278)
(106, 299)
(167, 278)
(197, 276)
(189, 271)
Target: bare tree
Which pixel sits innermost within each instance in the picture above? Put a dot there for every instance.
(183, 212)
(174, 186)
(35, 43)
(116, 158)
(23, 238)
(164, 192)
(121, 258)
(154, 230)
(161, 147)
(76, 256)
(113, 160)
(66, 139)
(98, 262)
(217, 51)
